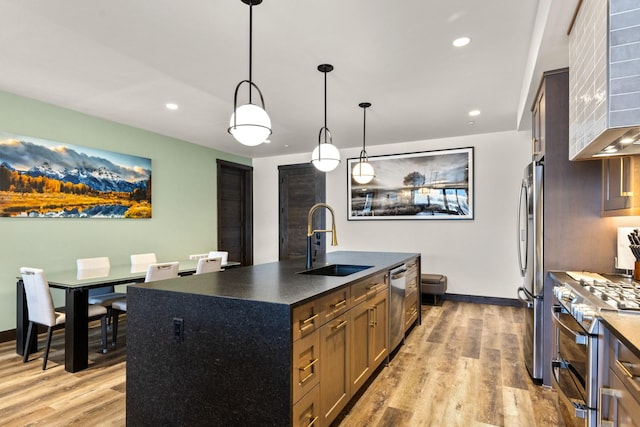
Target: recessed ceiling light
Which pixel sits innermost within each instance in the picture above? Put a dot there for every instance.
(474, 113)
(171, 106)
(462, 41)
(627, 140)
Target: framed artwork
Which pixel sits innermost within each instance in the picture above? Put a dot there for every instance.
(41, 178)
(423, 186)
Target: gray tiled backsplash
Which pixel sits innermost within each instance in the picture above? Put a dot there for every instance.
(628, 18)
(603, 31)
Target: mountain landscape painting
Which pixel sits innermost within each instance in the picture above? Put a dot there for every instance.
(40, 178)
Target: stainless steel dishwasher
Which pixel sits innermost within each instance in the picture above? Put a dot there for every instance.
(398, 285)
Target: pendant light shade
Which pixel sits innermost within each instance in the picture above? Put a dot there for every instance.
(326, 156)
(250, 124)
(362, 172)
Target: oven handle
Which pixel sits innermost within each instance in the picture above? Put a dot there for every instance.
(555, 317)
(526, 300)
(579, 407)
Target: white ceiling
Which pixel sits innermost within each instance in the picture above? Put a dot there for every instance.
(122, 60)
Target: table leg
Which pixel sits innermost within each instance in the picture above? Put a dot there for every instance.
(76, 335)
(22, 321)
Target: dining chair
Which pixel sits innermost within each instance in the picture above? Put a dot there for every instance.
(141, 262)
(42, 311)
(155, 272)
(209, 265)
(220, 254)
(104, 296)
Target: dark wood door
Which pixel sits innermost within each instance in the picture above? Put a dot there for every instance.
(235, 211)
(301, 186)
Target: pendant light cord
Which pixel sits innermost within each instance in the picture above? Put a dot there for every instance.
(250, 46)
(325, 106)
(364, 132)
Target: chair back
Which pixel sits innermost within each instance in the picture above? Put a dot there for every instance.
(162, 271)
(209, 265)
(220, 254)
(39, 301)
(89, 268)
(93, 263)
(141, 262)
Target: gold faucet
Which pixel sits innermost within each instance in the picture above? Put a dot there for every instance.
(310, 232)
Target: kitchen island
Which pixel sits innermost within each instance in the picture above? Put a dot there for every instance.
(237, 347)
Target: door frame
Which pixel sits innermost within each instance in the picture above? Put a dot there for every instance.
(247, 197)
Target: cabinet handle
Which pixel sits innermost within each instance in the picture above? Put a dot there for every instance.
(373, 289)
(623, 367)
(340, 325)
(313, 421)
(608, 392)
(313, 362)
(625, 177)
(306, 324)
(310, 319)
(339, 304)
(371, 310)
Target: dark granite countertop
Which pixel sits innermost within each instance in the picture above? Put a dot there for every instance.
(625, 326)
(279, 282)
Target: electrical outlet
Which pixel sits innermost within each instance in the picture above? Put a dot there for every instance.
(178, 329)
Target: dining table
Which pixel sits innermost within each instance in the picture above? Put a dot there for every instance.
(76, 285)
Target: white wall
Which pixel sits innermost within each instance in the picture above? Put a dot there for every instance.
(478, 256)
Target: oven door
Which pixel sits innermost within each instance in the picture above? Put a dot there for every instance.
(570, 368)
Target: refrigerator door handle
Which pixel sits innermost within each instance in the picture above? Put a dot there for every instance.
(526, 300)
(523, 234)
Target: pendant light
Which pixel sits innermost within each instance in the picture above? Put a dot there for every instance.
(363, 171)
(325, 156)
(250, 124)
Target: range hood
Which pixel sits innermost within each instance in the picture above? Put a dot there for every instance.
(604, 80)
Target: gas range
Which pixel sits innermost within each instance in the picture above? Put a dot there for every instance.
(587, 294)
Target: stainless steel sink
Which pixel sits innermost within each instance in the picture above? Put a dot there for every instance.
(336, 270)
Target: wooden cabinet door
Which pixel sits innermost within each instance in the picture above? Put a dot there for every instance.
(307, 411)
(380, 330)
(538, 141)
(613, 192)
(306, 365)
(335, 391)
(621, 408)
(360, 332)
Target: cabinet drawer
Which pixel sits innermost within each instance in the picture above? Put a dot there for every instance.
(619, 405)
(626, 365)
(306, 365)
(306, 412)
(411, 309)
(367, 288)
(412, 284)
(334, 304)
(306, 319)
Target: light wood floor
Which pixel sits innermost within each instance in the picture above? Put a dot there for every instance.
(461, 367)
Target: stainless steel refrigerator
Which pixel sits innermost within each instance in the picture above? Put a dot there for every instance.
(530, 255)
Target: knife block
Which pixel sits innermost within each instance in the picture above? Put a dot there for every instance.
(636, 271)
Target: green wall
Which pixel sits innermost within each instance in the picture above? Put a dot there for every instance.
(184, 200)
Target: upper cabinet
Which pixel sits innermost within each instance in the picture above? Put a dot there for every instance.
(604, 67)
